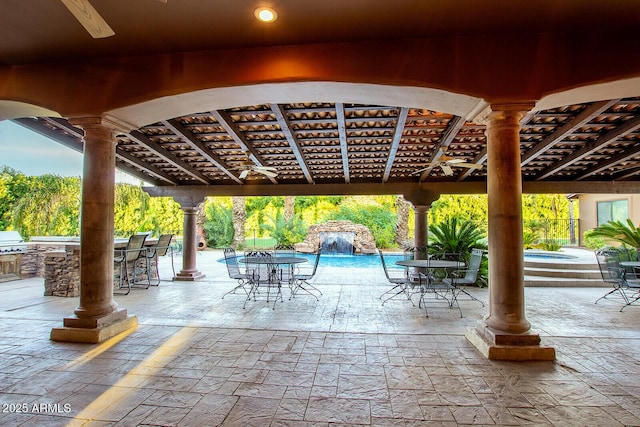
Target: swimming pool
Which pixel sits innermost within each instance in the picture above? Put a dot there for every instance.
(373, 260)
(547, 255)
(350, 261)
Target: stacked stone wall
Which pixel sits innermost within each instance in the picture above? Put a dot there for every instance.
(363, 242)
(62, 273)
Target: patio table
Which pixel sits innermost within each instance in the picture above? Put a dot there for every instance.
(431, 263)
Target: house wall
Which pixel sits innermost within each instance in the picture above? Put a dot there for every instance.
(589, 213)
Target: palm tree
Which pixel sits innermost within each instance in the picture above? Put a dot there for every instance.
(627, 234)
(456, 236)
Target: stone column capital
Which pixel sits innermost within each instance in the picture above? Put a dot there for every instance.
(423, 198)
(187, 203)
(97, 123)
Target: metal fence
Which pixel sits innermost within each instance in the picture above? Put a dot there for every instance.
(564, 231)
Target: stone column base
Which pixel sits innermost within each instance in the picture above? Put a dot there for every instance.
(188, 276)
(498, 345)
(94, 330)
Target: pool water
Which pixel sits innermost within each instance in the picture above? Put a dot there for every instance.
(547, 255)
(350, 261)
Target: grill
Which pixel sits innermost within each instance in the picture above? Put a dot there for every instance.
(11, 242)
(12, 247)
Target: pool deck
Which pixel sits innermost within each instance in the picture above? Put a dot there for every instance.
(198, 360)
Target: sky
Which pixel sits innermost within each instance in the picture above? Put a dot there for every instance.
(33, 154)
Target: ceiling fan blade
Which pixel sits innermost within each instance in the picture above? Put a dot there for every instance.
(418, 171)
(244, 174)
(446, 169)
(89, 18)
(267, 173)
(266, 168)
(468, 165)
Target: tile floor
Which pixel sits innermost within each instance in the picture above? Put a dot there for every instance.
(199, 360)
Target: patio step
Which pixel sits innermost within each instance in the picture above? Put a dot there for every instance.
(565, 273)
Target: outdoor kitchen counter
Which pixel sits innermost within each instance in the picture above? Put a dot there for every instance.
(57, 259)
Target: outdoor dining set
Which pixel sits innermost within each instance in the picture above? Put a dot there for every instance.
(439, 277)
(265, 272)
(136, 261)
(620, 268)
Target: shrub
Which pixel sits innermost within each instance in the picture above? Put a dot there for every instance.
(218, 227)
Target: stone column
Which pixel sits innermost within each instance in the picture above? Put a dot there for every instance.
(506, 334)
(421, 236)
(421, 205)
(97, 316)
(189, 270)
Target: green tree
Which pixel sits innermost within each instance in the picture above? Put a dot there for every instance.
(455, 235)
(219, 225)
(13, 185)
(627, 234)
(286, 232)
(51, 206)
(377, 217)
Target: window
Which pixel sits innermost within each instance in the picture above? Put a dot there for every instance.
(616, 210)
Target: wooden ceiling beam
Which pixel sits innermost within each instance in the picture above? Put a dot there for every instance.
(233, 129)
(72, 137)
(614, 160)
(167, 156)
(620, 131)
(585, 116)
(395, 143)
(285, 126)
(340, 118)
(185, 134)
(151, 170)
(455, 124)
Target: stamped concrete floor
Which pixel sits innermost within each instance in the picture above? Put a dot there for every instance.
(199, 360)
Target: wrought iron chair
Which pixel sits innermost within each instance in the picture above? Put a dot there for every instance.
(285, 274)
(467, 276)
(128, 261)
(401, 284)
(434, 283)
(160, 249)
(626, 285)
(301, 280)
(265, 275)
(245, 279)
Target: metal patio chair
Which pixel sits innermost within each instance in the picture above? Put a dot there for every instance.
(245, 278)
(401, 283)
(434, 283)
(625, 284)
(301, 280)
(160, 249)
(128, 261)
(467, 276)
(266, 277)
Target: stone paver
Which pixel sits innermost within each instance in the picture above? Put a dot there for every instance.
(198, 360)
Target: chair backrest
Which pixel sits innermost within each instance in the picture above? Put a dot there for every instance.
(164, 242)
(384, 265)
(284, 250)
(610, 269)
(263, 271)
(315, 263)
(135, 246)
(231, 260)
(474, 265)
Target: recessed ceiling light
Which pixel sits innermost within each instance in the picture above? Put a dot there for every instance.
(265, 14)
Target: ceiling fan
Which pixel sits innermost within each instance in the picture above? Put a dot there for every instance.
(247, 166)
(90, 18)
(446, 163)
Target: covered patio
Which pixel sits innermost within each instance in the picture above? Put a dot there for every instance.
(196, 359)
(344, 100)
